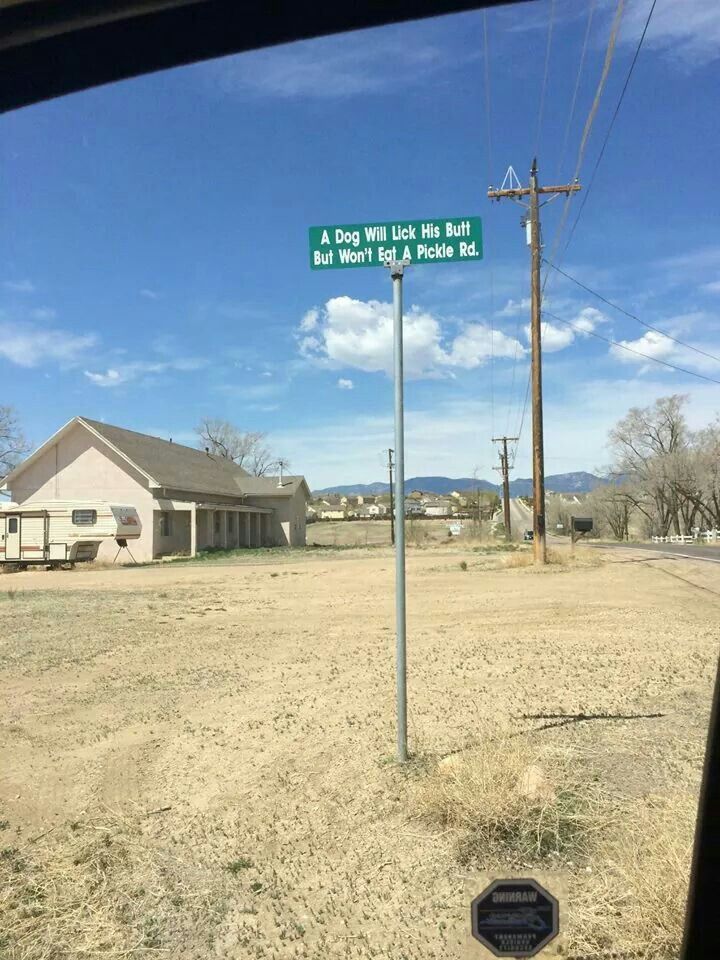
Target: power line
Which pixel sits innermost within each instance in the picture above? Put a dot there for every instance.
(488, 116)
(545, 74)
(623, 346)
(612, 123)
(487, 95)
(590, 119)
(591, 11)
(632, 316)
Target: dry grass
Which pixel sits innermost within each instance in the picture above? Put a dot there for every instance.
(267, 739)
(521, 558)
(512, 803)
(99, 886)
(633, 901)
(509, 800)
(555, 558)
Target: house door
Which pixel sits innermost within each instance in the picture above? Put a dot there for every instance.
(12, 538)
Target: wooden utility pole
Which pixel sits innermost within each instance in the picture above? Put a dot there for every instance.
(504, 468)
(514, 191)
(392, 511)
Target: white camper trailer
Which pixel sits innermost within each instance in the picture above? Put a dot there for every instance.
(56, 532)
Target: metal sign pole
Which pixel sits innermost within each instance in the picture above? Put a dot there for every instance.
(397, 268)
(396, 244)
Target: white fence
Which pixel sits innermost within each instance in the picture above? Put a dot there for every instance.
(709, 536)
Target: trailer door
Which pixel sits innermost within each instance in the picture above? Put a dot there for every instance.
(12, 537)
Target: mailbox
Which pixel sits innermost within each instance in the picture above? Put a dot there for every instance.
(582, 524)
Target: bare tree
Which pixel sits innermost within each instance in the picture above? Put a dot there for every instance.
(611, 509)
(650, 446)
(248, 450)
(13, 445)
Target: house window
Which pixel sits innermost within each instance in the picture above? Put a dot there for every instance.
(165, 524)
(84, 518)
(217, 521)
(12, 525)
(231, 523)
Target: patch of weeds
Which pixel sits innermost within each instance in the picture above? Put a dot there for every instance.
(4, 824)
(151, 933)
(497, 548)
(242, 863)
(510, 800)
(274, 574)
(256, 886)
(463, 565)
(386, 761)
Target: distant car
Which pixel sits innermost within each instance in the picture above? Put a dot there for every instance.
(528, 535)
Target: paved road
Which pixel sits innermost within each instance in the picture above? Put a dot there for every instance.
(686, 550)
(521, 517)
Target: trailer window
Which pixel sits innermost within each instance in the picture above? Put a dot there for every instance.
(165, 524)
(12, 525)
(84, 518)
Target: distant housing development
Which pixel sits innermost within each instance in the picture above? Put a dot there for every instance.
(417, 504)
(188, 500)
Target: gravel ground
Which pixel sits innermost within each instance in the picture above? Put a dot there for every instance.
(242, 718)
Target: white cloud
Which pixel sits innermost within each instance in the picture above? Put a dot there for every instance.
(713, 287)
(651, 344)
(43, 313)
(556, 337)
(149, 294)
(112, 378)
(125, 373)
(514, 308)
(553, 338)
(656, 346)
(477, 343)
(345, 384)
(19, 286)
(353, 449)
(338, 66)
(589, 318)
(359, 334)
(686, 30)
(29, 346)
(310, 320)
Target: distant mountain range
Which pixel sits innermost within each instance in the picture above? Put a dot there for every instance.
(578, 482)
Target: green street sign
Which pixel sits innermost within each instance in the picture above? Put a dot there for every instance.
(374, 244)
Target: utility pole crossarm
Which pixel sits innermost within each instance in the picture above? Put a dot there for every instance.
(499, 194)
(525, 191)
(566, 188)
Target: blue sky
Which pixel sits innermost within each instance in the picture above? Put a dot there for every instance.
(154, 250)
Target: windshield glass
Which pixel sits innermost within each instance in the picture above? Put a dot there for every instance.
(399, 350)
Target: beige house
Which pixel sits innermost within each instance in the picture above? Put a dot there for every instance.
(187, 499)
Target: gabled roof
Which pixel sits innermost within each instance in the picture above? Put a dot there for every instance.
(173, 465)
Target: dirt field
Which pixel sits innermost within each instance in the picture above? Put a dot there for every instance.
(374, 533)
(197, 759)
